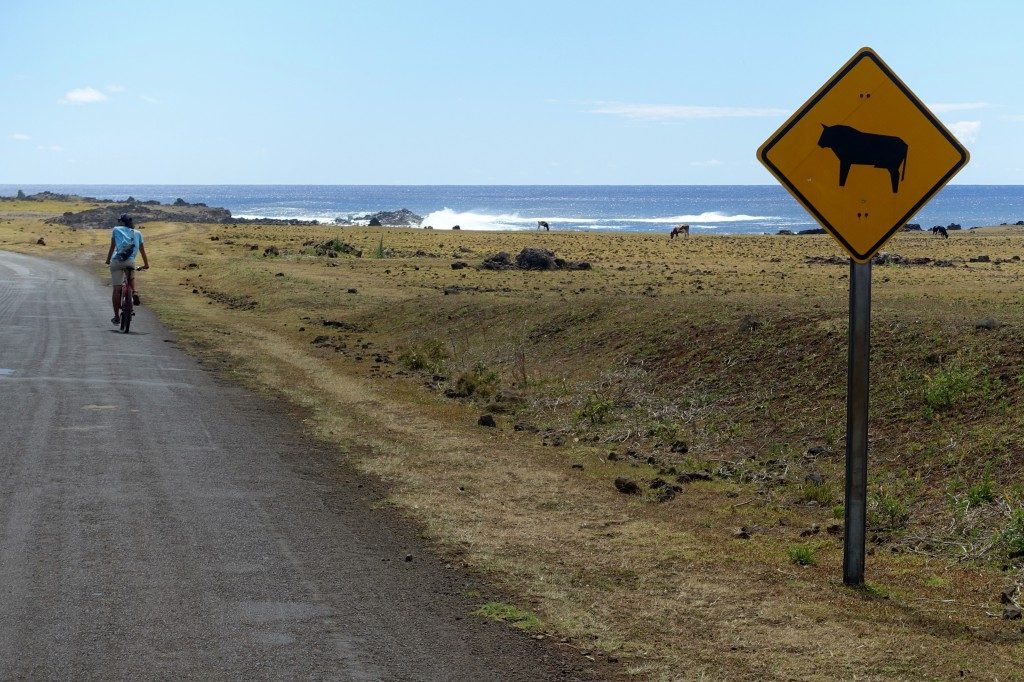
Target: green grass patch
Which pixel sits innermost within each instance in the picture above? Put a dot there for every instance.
(507, 613)
(803, 555)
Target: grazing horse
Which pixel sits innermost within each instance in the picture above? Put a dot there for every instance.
(543, 225)
(940, 231)
(680, 229)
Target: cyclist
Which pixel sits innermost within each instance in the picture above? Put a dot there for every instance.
(125, 244)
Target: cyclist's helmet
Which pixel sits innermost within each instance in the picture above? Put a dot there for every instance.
(126, 220)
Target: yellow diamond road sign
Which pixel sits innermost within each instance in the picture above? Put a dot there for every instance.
(863, 155)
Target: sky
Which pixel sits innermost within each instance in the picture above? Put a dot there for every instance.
(383, 92)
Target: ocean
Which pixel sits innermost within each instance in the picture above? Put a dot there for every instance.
(726, 209)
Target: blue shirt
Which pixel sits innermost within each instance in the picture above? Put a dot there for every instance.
(122, 237)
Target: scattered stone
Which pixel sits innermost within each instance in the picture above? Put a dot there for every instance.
(408, 557)
(577, 465)
(748, 324)
(658, 483)
(1011, 613)
(835, 529)
(816, 478)
(278, 274)
(667, 493)
(532, 258)
(987, 323)
(627, 486)
(459, 265)
(499, 261)
(214, 238)
(353, 291)
(741, 533)
(271, 251)
(680, 447)
(808, 532)
(486, 420)
(41, 242)
(1008, 595)
(981, 259)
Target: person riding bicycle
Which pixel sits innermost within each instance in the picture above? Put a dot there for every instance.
(125, 244)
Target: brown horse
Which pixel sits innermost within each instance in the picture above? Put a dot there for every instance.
(543, 225)
(680, 229)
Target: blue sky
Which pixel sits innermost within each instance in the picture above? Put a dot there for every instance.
(552, 92)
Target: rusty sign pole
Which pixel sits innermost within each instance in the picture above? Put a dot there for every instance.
(857, 424)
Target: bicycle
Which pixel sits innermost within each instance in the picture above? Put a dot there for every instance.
(128, 297)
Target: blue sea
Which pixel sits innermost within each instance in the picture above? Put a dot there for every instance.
(726, 209)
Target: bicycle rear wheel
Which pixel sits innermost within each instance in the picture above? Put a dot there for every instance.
(126, 311)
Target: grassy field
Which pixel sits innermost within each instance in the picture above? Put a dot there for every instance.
(709, 372)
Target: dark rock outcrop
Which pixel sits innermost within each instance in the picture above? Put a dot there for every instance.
(403, 217)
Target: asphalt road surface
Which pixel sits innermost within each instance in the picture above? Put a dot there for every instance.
(158, 523)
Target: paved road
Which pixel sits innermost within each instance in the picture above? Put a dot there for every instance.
(156, 523)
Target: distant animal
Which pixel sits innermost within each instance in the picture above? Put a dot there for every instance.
(680, 230)
(854, 147)
(940, 231)
(543, 225)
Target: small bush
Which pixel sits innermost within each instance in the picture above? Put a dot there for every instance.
(478, 382)
(802, 555)
(887, 512)
(948, 386)
(818, 492)
(595, 410)
(427, 357)
(980, 494)
(1012, 537)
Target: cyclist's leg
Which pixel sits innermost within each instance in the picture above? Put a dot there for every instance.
(116, 278)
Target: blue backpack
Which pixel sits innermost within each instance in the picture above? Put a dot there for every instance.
(126, 251)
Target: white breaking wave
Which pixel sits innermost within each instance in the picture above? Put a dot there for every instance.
(469, 220)
(707, 217)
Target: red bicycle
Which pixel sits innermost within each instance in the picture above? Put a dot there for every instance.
(128, 298)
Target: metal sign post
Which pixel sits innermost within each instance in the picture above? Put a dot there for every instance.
(857, 423)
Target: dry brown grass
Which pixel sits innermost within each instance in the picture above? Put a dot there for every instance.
(664, 587)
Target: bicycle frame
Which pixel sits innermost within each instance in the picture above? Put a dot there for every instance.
(127, 304)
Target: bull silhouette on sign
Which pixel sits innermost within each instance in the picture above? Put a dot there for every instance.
(854, 147)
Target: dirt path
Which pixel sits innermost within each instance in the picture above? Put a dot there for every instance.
(158, 523)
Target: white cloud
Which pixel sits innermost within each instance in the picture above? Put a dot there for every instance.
(83, 96)
(945, 107)
(671, 112)
(1013, 117)
(22, 137)
(115, 88)
(707, 164)
(149, 98)
(50, 148)
(966, 131)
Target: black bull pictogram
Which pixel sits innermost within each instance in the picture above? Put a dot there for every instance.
(854, 147)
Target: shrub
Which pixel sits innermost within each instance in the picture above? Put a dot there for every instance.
(980, 494)
(1012, 537)
(818, 492)
(427, 357)
(595, 410)
(802, 555)
(947, 386)
(478, 382)
(887, 512)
